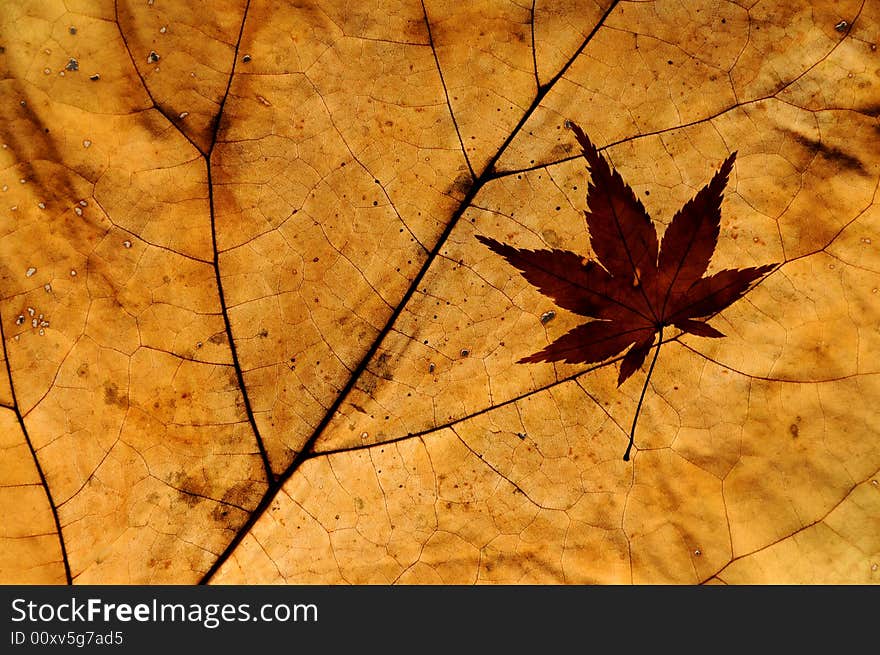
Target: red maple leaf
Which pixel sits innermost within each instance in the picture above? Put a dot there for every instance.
(636, 289)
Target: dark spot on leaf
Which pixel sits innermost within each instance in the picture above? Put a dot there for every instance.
(190, 499)
(561, 150)
(460, 185)
(190, 488)
(368, 383)
(242, 494)
(112, 395)
(831, 153)
(381, 367)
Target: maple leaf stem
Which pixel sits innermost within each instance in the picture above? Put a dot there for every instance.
(632, 432)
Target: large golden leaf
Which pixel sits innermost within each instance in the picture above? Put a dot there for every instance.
(249, 335)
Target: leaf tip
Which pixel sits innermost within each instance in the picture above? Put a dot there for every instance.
(698, 328)
(724, 171)
(490, 243)
(590, 151)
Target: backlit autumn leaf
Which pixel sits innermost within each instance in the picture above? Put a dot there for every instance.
(249, 334)
(640, 287)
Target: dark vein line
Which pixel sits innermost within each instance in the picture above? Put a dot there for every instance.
(534, 50)
(206, 155)
(27, 438)
(236, 364)
(445, 90)
(484, 177)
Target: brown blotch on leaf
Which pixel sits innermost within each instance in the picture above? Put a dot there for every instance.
(111, 393)
(831, 153)
(460, 185)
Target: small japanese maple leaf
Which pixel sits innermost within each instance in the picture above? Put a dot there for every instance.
(636, 289)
